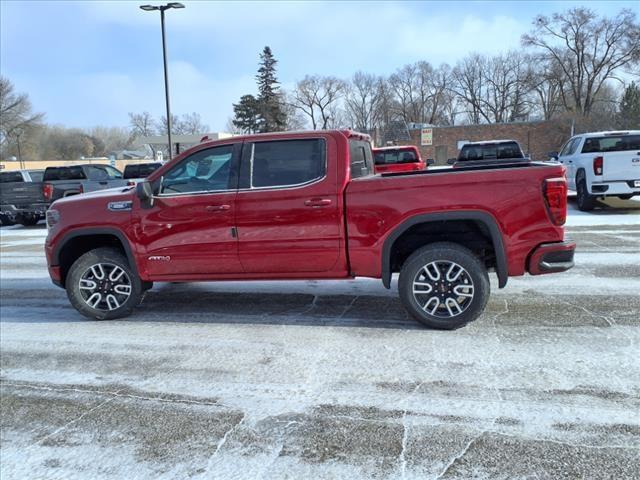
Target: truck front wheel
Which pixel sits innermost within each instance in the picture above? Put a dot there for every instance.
(444, 285)
(101, 285)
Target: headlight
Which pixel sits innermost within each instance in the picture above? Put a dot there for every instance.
(53, 217)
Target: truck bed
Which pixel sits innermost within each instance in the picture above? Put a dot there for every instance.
(511, 194)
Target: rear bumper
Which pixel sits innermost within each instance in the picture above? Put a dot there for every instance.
(615, 187)
(551, 258)
(13, 210)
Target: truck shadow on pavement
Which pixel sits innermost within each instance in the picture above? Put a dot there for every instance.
(175, 303)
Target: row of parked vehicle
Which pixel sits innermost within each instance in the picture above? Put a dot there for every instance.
(25, 195)
(598, 164)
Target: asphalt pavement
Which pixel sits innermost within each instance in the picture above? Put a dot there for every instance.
(329, 379)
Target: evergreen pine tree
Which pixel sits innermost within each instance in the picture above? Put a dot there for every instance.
(272, 114)
(247, 114)
(629, 115)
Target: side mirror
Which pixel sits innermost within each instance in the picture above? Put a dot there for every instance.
(430, 161)
(144, 191)
(451, 161)
(553, 156)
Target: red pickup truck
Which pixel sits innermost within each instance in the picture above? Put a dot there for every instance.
(405, 158)
(307, 205)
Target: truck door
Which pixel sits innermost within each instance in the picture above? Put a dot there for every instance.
(289, 214)
(189, 229)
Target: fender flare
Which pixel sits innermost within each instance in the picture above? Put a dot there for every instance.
(84, 232)
(485, 218)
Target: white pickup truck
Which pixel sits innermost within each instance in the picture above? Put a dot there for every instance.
(602, 164)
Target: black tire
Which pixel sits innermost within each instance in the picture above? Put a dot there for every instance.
(6, 220)
(586, 201)
(443, 254)
(28, 220)
(625, 197)
(109, 258)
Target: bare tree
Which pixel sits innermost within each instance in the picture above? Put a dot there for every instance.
(16, 116)
(191, 124)
(295, 119)
(142, 124)
(588, 50)
(361, 101)
(316, 97)
(546, 84)
(469, 85)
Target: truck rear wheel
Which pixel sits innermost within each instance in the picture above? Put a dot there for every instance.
(586, 201)
(444, 285)
(101, 285)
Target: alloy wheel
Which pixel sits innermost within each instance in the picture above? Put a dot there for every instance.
(443, 289)
(105, 286)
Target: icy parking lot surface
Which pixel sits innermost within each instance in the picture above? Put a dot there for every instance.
(327, 379)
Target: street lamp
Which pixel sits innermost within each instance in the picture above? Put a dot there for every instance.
(162, 8)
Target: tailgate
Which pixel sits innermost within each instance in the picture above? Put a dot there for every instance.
(22, 194)
(623, 165)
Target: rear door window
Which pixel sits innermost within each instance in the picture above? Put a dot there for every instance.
(361, 158)
(617, 143)
(285, 163)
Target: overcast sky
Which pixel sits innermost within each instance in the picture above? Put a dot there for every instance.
(90, 63)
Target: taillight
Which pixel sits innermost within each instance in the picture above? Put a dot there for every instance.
(555, 197)
(598, 163)
(47, 191)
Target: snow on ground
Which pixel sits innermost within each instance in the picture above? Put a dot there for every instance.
(325, 379)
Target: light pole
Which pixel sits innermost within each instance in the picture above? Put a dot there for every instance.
(162, 8)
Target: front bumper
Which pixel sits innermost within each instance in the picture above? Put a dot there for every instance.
(551, 258)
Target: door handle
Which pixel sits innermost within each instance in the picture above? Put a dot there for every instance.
(104, 183)
(217, 208)
(318, 202)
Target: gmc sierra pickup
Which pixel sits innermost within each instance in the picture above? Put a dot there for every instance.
(307, 205)
(21, 197)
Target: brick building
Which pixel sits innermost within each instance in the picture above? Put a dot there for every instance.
(536, 138)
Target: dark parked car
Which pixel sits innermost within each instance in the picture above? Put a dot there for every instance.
(488, 153)
(21, 197)
(59, 182)
(140, 170)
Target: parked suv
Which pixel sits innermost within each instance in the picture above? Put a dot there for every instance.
(602, 164)
(306, 205)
